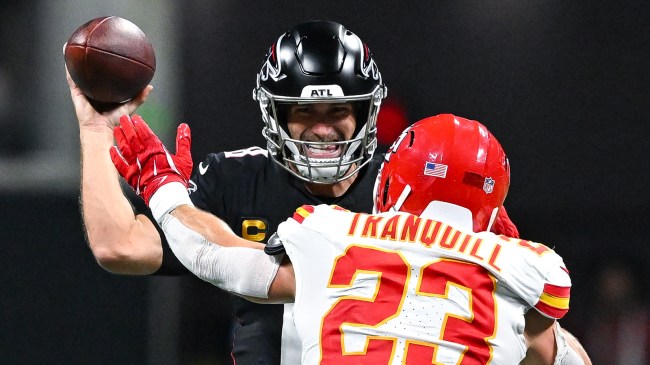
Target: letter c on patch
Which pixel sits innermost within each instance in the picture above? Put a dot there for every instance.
(253, 230)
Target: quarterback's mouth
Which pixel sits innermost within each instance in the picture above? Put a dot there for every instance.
(323, 150)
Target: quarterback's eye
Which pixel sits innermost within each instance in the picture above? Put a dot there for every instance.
(341, 110)
(301, 109)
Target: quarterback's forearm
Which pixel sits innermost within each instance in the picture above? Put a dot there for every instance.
(211, 227)
(120, 241)
(210, 250)
(236, 268)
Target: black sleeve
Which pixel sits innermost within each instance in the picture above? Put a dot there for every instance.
(206, 185)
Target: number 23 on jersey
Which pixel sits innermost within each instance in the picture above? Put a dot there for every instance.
(388, 324)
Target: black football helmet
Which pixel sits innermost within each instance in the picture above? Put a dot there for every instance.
(319, 62)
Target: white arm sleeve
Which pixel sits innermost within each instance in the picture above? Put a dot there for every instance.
(566, 355)
(168, 197)
(240, 270)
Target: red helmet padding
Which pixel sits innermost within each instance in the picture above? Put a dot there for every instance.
(477, 170)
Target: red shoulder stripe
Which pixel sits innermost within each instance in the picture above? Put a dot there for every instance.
(557, 291)
(303, 212)
(551, 311)
(554, 301)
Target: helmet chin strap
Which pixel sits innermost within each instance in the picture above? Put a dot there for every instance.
(493, 218)
(402, 197)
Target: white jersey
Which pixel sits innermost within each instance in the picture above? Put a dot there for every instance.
(291, 348)
(394, 288)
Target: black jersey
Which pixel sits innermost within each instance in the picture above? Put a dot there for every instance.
(253, 195)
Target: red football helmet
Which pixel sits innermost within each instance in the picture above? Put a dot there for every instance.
(449, 159)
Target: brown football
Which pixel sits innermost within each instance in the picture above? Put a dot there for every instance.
(110, 59)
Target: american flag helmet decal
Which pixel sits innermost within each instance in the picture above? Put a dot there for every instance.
(435, 169)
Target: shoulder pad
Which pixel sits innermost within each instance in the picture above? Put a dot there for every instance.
(274, 245)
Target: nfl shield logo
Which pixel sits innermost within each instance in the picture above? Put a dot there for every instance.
(488, 185)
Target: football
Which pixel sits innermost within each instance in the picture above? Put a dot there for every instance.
(110, 59)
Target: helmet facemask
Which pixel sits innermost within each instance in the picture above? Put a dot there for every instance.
(291, 153)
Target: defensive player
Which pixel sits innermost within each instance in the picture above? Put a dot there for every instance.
(319, 91)
(422, 281)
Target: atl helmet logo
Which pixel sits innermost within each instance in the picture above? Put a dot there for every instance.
(321, 91)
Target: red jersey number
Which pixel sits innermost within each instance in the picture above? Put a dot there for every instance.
(393, 272)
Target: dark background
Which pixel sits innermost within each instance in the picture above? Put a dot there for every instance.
(562, 84)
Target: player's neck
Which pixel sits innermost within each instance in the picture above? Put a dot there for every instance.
(331, 190)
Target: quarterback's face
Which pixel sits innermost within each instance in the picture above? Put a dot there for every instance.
(322, 122)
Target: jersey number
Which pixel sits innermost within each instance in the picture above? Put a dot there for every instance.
(435, 279)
